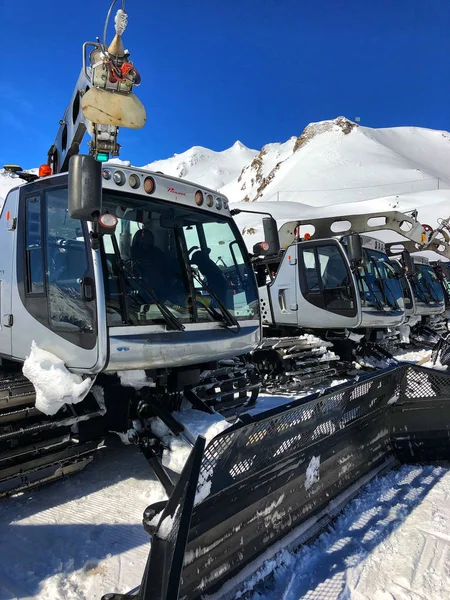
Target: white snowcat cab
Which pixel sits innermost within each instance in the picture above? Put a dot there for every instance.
(425, 296)
(114, 268)
(139, 285)
(424, 293)
(339, 280)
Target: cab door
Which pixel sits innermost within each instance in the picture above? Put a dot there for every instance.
(8, 224)
(327, 291)
(55, 299)
(284, 289)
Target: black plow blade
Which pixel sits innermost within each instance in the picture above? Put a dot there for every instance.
(275, 479)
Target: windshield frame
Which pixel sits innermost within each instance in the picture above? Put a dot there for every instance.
(250, 290)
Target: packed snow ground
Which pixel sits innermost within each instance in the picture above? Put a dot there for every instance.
(82, 537)
(390, 543)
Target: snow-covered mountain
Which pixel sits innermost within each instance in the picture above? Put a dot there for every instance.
(207, 167)
(334, 167)
(337, 161)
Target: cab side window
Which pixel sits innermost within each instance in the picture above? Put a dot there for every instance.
(33, 241)
(325, 279)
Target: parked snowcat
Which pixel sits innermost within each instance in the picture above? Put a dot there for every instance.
(424, 301)
(113, 268)
(331, 301)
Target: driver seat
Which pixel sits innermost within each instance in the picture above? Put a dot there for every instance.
(213, 273)
(143, 247)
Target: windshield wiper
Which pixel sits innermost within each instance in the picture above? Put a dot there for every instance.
(171, 320)
(382, 284)
(365, 279)
(227, 317)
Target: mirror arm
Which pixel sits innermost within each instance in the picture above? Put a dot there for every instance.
(95, 233)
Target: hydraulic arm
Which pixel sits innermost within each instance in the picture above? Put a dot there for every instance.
(102, 101)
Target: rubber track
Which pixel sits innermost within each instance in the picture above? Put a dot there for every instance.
(34, 447)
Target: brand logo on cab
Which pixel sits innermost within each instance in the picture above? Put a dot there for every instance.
(173, 191)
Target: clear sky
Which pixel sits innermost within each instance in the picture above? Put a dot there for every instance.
(214, 72)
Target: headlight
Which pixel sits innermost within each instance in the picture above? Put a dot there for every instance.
(119, 177)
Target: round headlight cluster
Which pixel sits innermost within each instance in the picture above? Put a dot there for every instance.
(218, 203)
(134, 180)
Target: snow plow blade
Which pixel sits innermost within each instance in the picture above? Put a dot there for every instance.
(282, 475)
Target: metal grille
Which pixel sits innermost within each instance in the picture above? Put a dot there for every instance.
(248, 449)
(425, 383)
(361, 390)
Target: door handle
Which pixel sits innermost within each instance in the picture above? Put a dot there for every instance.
(282, 301)
(88, 289)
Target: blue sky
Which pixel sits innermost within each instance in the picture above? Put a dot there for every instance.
(214, 72)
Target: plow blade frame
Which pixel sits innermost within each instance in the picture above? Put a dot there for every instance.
(265, 479)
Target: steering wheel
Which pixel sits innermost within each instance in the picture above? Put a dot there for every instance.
(191, 250)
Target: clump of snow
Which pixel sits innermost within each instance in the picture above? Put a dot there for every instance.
(177, 453)
(136, 379)
(166, 526)
(394, 399)
(99, 395)
(202, 492)
(195, 422)
(125, 436)
(54, 384)
(404, 331)
(413, 356)
(312, 472)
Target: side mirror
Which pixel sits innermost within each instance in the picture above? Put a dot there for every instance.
(354, 248)
(271, 234)
(271, 244)
(408, 262)
(85, 187)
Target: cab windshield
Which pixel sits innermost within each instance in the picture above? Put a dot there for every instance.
(378, 284)
(426, 285)
(170, 263)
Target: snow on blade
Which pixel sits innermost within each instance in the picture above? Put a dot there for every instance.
(54, 384)
(312, 472)
(195, 423)
(166, 526)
